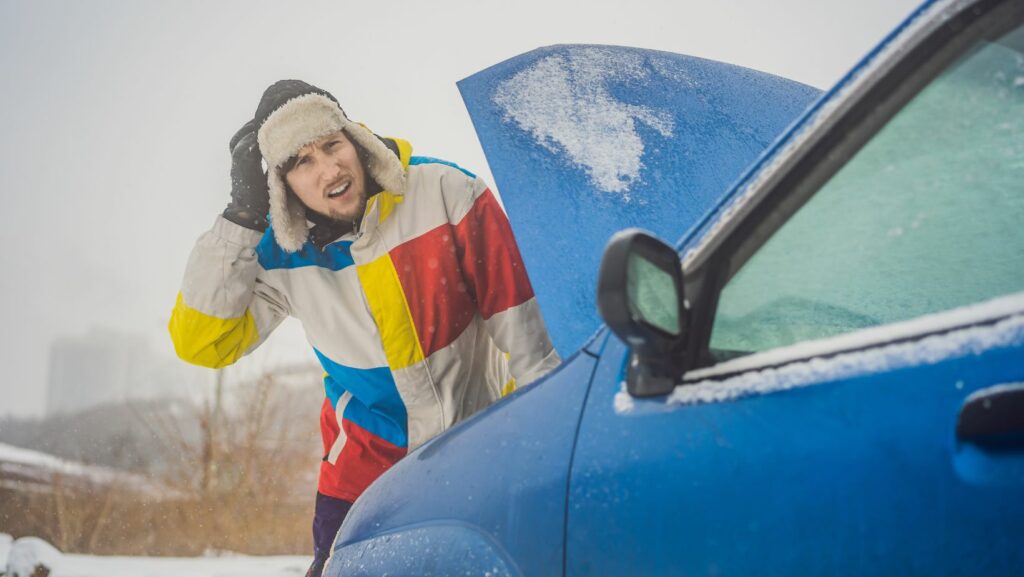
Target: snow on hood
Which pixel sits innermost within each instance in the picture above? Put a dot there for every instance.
(564, 103)
(586, 140)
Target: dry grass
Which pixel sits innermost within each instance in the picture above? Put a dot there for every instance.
(244, 482)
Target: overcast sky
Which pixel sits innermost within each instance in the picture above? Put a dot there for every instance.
(115, 119)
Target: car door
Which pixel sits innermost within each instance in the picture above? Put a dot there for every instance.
(853, 404)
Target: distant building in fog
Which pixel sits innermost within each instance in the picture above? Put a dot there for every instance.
(106, 366)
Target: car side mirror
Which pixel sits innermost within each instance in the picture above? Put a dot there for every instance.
(640, 297)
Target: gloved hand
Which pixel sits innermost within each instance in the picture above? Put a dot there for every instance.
(250, 199)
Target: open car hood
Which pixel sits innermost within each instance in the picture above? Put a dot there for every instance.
(585, 140)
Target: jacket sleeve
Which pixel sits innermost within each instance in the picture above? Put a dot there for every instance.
(495, 274)
(224, 310)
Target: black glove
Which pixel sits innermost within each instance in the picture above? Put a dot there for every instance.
(250, 199)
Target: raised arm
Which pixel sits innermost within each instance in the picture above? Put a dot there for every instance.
(224, 309)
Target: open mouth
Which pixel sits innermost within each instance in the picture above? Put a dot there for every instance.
(340, 190)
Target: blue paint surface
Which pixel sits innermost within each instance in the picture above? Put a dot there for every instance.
(434, 550)
(721, 116)
(491, 473)
(846, 475)
(851, 476)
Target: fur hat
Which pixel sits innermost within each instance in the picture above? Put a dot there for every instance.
(291, 114)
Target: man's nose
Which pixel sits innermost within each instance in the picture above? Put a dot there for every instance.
(329, 170)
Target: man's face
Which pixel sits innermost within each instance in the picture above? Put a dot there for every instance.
(329, 178)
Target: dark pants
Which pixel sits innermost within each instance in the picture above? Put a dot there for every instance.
(327, 518)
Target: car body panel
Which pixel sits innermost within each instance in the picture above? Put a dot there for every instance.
(658, 139)
(502, 474)
(836, 456)
(430, 550)
(853, 475)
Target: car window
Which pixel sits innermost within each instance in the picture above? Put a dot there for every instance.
(927, 216)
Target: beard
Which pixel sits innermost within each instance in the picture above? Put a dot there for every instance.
(354, 216)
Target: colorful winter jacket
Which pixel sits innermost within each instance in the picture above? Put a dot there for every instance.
(421, 318)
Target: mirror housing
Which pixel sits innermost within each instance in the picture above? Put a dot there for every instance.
(640, 297)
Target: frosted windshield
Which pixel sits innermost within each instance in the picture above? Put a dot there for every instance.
(928, 216)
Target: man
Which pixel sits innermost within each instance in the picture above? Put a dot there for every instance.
(403, 271)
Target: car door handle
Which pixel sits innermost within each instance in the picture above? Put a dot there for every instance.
(993, 416)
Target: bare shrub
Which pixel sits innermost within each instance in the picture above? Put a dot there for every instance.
(238, 474)
(248, 476)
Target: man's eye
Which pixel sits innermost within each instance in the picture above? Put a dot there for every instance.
(332, 144)
(302, 160)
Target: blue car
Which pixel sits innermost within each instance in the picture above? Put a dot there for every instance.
(825, 376)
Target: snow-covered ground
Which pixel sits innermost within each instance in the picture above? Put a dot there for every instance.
(19, 467)
(21, 557)
(17, 457)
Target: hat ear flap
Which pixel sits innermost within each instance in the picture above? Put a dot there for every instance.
(384, 165)
(287, 214)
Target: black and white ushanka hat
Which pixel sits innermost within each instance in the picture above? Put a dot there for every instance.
(291, 114)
